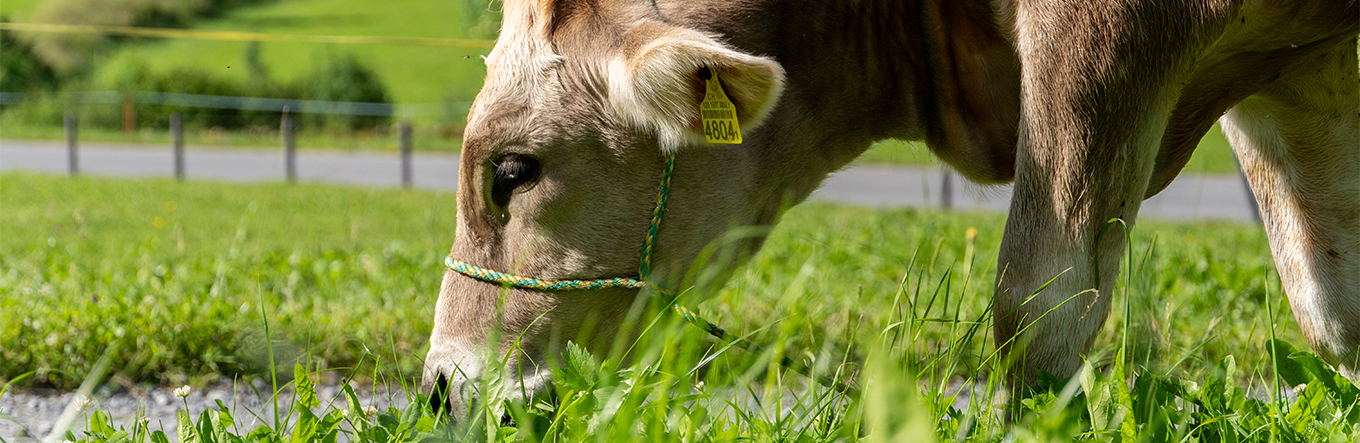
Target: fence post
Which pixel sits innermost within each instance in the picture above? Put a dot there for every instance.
(177, 140)
(289, 153)
(404, 131)
(947, 190)
(129, 114)
(70, 124)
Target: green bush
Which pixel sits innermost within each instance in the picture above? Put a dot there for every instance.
(20, 69)
(344, 78)
(334, 78)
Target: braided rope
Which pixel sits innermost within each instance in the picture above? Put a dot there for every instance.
(644, 271)
(488, 275)
(645, 266)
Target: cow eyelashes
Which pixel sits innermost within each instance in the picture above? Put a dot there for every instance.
(512, 172)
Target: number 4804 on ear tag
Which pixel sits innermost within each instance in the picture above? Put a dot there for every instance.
(718, 113)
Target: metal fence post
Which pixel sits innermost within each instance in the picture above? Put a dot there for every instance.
(177, 140)
(70, 123)
(404, 130)
(289, 153)
(947, 190)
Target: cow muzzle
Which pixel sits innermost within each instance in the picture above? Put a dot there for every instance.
(457, 380)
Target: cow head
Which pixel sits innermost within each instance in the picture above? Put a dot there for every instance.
(561, 161)
(565, 146)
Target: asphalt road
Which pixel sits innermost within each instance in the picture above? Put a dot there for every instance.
(1192, 197)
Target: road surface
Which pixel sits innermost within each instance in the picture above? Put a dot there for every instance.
(1192, 197)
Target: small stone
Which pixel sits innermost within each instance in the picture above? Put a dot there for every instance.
(160, 398)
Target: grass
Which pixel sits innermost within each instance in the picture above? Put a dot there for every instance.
(413, 74)
(176, 276)
(18, 10)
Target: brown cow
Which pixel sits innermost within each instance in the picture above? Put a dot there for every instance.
(1090, 106)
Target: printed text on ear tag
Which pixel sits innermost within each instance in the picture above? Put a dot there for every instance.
(718, 113)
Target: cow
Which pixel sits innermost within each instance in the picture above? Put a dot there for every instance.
(1088, 106)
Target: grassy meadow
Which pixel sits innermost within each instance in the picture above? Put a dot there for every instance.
(179, 279)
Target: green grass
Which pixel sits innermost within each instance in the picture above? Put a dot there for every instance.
(347, 275)
(18, 10)
(176, 273)
(413, 74)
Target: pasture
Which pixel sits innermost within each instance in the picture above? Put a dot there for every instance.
(186, 280)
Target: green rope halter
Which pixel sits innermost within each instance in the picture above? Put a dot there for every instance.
(644, 267)
(639, 282)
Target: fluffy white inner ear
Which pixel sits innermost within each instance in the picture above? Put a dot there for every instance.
(658, 86)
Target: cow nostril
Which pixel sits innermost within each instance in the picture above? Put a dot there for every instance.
(439, 396)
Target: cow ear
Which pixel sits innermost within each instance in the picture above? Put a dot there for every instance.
(658, 86)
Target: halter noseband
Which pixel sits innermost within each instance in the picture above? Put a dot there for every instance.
(644, 266)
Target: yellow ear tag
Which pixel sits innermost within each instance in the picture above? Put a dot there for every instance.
(718, 113)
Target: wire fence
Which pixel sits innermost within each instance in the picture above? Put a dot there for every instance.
(285, 107)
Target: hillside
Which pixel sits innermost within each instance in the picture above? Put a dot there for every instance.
(412, 74)
(18, 10)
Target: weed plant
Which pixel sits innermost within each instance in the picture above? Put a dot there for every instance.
(894, 302)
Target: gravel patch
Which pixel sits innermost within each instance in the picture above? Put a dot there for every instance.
(28, 415)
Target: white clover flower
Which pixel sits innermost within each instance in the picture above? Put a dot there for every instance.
(370, 410)
(183, 391)
(344, 413)
(82, 402)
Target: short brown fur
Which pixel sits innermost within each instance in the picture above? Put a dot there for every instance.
(1089, 106)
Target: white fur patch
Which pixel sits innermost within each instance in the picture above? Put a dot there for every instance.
(520, 67)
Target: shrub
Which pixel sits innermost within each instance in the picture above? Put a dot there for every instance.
(334, 78)
(344, 78)
(20, 69)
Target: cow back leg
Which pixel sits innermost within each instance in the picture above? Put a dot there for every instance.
(1097, 96)
(1298, 141)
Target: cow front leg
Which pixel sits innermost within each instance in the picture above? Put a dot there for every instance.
(1096, 97)
(1298, 141)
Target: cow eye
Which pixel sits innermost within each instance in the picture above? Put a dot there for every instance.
(513, 172)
